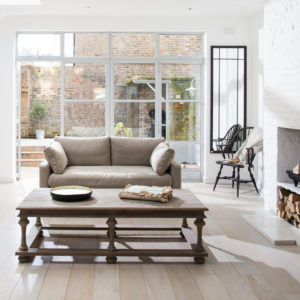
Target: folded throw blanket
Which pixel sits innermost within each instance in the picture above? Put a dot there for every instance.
(255, 141)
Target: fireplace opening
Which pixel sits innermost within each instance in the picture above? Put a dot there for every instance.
(288, 157)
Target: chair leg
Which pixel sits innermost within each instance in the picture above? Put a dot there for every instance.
(238, 182)
(233, 176)
(218, 177)
(253, 179)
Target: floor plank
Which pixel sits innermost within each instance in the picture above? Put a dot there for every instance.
(157, 282)
(106, 282)
(81, 282)
(183, 283)
(132, 283)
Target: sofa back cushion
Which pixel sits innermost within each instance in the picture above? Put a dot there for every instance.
(86, 151)
(132, 151)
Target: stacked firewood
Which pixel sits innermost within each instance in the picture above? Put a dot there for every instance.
(289, 206)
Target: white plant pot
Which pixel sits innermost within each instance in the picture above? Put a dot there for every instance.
(39, 134)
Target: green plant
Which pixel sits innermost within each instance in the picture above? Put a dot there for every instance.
(38, 111)
(121, 130)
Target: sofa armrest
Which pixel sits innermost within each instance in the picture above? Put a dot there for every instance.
(175, 171)
(45, 172)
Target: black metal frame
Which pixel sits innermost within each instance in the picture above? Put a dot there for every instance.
(212, 89)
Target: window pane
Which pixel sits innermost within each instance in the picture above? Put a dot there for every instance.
(85, 81)
(134, 119)
(180, 45)
(228, 95)
(133, 44)
(84, 119)
(183, 121)
(40, 84)
(241, 53)
(228, 53)
(38, 44)
(241, 91)
(134, 81)
(187, 154)
(85, 44)
(216, 97)
(181, 82)
(216, 52)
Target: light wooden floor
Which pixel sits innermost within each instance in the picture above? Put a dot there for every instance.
(241, 265)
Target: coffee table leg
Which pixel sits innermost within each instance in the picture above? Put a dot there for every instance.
(23, 247)
(38, 223)
(199, 222)
(111, 222)
(184, 225)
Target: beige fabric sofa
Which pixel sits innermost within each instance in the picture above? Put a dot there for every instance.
(109, 162)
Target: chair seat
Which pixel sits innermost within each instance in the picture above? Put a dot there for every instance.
(226, 163)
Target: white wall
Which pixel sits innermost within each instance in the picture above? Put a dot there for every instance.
(7, 106)
(240, 33)
(258, 88)
(282, 83)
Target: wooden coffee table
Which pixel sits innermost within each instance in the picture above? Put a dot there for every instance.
(105, 203)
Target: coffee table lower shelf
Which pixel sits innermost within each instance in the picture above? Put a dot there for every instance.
(35, 237)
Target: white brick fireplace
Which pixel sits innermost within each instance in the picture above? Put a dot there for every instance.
(282, 91)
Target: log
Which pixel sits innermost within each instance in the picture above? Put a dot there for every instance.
(281, 214)
(297, 206)
(291, 206)
(281, 207)
(289, 215)
(297, 218)
(286, 199)
(294, 197)
(282, 193)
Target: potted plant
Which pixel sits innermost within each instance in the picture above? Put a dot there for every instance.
(38, 112)
(121, 130)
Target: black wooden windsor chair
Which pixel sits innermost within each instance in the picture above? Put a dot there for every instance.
(228, 149)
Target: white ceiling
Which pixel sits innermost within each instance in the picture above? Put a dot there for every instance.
(137, 8)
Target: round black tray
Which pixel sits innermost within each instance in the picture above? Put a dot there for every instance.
(71, 193)
(294, 177)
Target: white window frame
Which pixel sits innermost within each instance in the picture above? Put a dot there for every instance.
(109, 61)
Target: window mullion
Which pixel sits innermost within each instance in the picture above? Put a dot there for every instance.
(62, 100)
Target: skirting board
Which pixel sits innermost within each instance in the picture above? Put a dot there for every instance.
(276, 230)
(7, 179)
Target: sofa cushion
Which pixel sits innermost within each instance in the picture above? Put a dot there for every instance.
(161, 158)
(132, 151)
(86, 151)
(109, 176)
(56, 157)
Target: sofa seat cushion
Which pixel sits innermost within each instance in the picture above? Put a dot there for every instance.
(92, 151)
(132, 151)
(109, 176)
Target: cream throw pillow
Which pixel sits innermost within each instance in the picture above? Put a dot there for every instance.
(161, 158)
(56, 157)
